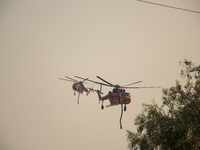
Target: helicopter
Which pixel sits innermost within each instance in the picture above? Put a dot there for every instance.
(77, 86)
(118, 95)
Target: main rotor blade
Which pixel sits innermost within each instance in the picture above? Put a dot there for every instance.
(105, 81)
(66, 80)
(140, 87)
(72, 79)
(93, 81)
(132, 83)
(85, 80)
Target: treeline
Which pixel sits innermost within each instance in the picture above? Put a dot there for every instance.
(176, 124)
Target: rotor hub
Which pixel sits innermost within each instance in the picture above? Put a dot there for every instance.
(117, 86)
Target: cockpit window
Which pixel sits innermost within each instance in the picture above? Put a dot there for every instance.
(125, 94)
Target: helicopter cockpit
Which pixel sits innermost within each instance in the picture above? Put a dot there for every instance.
(125, 94)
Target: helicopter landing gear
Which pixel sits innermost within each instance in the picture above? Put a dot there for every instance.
(102, 107)
(124, 107)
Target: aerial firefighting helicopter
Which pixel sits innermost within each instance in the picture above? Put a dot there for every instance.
(118, 94)
(77, 86)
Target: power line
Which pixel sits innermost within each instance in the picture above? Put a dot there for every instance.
(169, 6)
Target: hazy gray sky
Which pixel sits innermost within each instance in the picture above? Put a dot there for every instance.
(122, 41)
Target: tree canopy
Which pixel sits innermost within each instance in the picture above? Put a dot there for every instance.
(175, 125)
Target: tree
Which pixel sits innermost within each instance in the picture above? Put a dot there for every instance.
(176, 124)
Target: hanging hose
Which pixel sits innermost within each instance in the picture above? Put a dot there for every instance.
(78, 98)
(120, 121)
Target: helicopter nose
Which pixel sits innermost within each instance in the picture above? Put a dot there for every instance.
(126, 100)
(74, 87)
(127, 97)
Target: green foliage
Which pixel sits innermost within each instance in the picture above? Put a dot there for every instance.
(176, 124)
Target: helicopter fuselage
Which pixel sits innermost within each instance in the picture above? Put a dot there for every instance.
(118, 96)
(79, 87)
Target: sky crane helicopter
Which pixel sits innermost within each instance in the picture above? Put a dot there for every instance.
(78, 86)
(118, 94)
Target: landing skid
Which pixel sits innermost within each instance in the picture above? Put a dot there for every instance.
(111, 105)
(102, 106)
